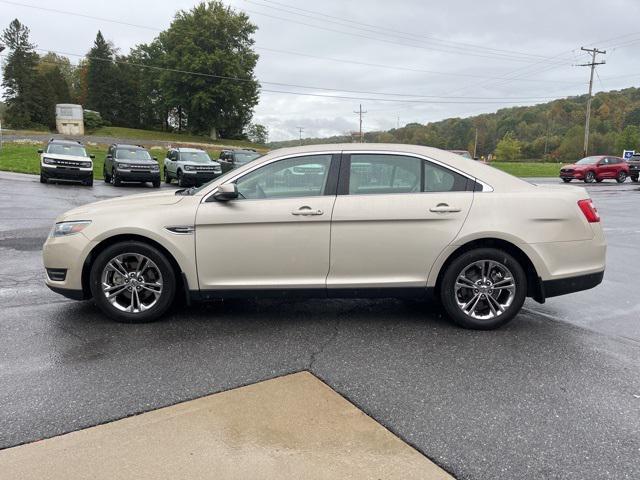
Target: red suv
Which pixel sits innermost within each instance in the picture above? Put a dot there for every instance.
(596, 169)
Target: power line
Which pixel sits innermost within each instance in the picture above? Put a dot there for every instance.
(281, 84)
(360, 113)
(397, 34)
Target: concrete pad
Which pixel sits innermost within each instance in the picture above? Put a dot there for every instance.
(289, 427)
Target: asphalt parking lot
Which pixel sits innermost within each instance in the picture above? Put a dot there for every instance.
(554, 394)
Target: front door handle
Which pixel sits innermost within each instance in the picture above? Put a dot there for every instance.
(306, 211)
(444, 208)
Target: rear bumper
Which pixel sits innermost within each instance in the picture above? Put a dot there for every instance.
(563, 286)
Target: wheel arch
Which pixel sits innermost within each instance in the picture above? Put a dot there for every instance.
(534, 283)
(107, 242)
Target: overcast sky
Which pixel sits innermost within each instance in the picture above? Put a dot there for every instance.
(443, 59)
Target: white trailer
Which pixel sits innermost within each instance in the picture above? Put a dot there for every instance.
(69, 119)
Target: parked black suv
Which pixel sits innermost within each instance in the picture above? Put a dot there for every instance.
(66, 160)
(634, 167)
(230, 159)
(130, 163)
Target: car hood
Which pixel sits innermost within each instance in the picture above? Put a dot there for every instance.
(124, 204)
(575, 166)
(200, 164)
(137, 162)
(60, 156)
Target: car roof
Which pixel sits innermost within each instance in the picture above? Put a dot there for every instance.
(65, 142)
(125, 145)
(186, 150)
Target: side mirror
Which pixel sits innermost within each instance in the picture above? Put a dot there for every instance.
(40, 150)
(109, 157)
(226, 192)
(92, 156)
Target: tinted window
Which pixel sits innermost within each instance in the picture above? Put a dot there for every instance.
(294, 177)
(440, 179)
(132, 154)
(380, 174)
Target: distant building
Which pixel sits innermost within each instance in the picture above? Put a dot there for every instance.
(69, 119)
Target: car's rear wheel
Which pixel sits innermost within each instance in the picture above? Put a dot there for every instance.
(132, 282)
(483, 289)
(621, 177)
(589, 177)
(634, 179)
(107, 177)
(167, 177)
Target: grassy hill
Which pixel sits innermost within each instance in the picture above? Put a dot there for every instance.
(552, 131)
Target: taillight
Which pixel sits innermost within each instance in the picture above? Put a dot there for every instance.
(589, 210)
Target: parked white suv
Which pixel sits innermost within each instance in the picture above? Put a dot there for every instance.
(190, 167)
(356, 220)
(66, 160)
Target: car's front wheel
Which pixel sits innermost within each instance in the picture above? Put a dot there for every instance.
(483, 289)
(566, 180)
(132, 282)
(589, 177)
(181, 181)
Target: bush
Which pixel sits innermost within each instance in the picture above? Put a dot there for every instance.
(93, 121)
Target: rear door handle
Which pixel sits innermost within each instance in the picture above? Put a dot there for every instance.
(444, 208)
(306, 211)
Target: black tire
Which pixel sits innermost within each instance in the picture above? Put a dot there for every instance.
(88, 182)
(43, 179)
(589, 177)
(634, 179)
(599, 180)
(115, 179)
(181, 181)
(107, 177)
(167, 177)
(566, 180)
(168, 282)
(621, 177)
(449, 297)
(156, 184)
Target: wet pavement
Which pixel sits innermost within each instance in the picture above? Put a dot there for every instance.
(555, 394)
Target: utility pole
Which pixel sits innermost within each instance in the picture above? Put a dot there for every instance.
(300, 129)
(360, 112)
(592, 64)
(2, 47)
(475, 145)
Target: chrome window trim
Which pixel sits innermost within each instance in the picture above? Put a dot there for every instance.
(262, 164)
(485, 186)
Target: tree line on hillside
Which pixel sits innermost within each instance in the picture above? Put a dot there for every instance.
(550, 131)
(195, 76)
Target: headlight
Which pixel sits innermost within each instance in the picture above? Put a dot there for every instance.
(189, 167)
(155, 168)
(49, 161)
(86, 164)
(123, 165)
(63, 229)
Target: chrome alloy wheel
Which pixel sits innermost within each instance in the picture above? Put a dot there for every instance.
(485, 289)
(132, 282)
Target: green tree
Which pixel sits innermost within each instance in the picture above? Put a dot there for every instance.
(257, 133)
(101, 78)
(509, 148)
(629, 139)
(211, 39)
(19, 77)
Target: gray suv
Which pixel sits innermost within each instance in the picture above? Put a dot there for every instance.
(130, 163)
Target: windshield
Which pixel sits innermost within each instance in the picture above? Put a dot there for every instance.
(132, 154)
(198, 157)
(63, 149)
(588, 161)
(242, 157)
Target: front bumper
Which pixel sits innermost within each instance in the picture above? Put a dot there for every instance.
(198, 178)
(575, 175)
(66, 173)
(68, 254)
(134, 176)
